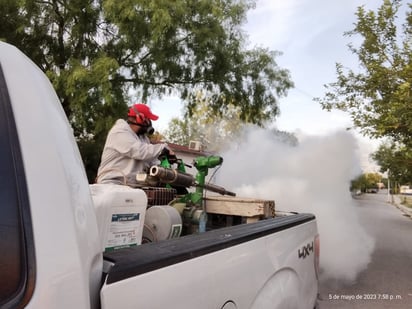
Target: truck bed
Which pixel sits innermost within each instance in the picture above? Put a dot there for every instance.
(130, 262)
(243, 265)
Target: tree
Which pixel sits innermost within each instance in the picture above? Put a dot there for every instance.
(378, 98)
(397, 159)
(213, 131)
(366, 181)
(100, 53)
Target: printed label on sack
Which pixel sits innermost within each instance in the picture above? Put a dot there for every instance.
(123, 231)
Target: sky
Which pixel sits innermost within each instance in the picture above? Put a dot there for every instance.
(309, 34)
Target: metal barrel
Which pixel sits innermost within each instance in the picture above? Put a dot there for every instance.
(172, 176)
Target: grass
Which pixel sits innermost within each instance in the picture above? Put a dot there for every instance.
(407, 201)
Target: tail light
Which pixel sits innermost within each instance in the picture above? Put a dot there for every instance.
(317, 255)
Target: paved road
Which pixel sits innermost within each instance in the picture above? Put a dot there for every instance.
(387, 282)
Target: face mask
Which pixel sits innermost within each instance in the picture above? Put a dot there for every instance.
(146, 128)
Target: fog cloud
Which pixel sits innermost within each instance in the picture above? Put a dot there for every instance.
(314, 177)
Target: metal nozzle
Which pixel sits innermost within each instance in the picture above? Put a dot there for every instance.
(218, 189)
(171, 176)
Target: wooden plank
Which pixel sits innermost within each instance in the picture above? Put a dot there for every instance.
(252, 219)
(235, 206)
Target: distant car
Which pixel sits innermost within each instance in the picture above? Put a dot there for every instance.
(373, 190)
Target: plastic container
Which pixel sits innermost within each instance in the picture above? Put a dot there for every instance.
(120, 212)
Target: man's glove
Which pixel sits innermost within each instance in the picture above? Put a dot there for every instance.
(170, 155)
(172, 159)
(165, 152)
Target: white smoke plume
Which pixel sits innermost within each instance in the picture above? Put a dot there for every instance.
(313, 177)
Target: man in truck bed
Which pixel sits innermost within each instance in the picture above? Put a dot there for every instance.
(128, 150)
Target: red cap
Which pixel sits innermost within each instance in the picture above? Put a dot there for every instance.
(143, 109)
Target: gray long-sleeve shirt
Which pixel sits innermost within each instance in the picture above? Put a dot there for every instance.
(125, 154)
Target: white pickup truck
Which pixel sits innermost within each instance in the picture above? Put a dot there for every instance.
(55, 237)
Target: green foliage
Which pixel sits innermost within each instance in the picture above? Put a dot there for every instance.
(181, 132)
(397, 159)
(214, 131)
(378, 97)
(99, 53)
(285, 137)
(366, 181)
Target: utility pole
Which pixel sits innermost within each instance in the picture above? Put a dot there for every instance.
(389, 189)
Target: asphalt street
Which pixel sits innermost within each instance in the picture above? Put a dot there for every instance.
(387, 281)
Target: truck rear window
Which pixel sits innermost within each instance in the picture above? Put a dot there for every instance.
(16, 241)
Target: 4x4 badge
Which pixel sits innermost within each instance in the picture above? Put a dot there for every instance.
(305, 251)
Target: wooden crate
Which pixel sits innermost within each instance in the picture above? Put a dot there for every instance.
(249, 208)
